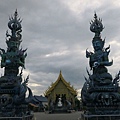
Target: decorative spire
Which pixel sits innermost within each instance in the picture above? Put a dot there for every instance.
(96, 26)
(15, 25)
(13, 40)
(15, 14)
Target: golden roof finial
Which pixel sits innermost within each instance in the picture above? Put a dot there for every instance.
(60, 72)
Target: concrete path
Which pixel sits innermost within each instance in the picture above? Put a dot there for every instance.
(61, 116)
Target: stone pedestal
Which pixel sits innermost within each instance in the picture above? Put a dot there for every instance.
(100, 117)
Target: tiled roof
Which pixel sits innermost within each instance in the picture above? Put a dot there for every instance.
(40, 98)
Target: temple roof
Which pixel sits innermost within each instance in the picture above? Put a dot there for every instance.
(67, 84)
(40, 98)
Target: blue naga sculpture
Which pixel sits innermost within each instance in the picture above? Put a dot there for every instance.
(100, 93)
(13, 101)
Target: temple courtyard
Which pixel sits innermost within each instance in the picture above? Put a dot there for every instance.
(57, 116)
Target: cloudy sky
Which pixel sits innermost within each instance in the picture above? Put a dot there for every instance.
(56, 33)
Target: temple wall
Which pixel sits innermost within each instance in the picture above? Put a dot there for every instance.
(60, 88)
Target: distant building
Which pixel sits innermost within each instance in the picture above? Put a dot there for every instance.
(38, 103)
(61, 89)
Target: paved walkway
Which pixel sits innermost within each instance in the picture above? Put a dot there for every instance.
(61, 116)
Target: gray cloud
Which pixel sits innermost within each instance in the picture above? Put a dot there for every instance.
(56, 33)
